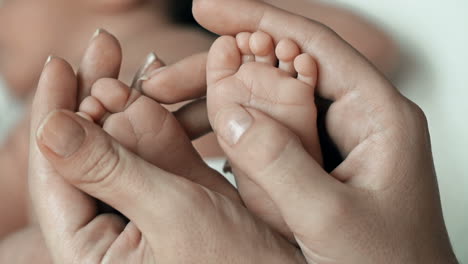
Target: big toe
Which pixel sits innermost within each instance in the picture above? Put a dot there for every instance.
(224, 59)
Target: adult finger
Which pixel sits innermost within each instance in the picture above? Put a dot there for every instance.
(102, 59)
(184, 80)
(50, 193)
(151, 64)
(193, 117)
(108, 171)
(337, 76)
(364, 102)
(274, 158)
(161, 205)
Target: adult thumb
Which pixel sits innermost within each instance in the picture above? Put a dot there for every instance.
(91, 160)
(274, 158)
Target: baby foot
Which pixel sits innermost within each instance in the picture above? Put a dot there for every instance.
(149, 130)
(279, 81)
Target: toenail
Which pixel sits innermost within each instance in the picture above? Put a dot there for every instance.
(231, 124)
(61, 134)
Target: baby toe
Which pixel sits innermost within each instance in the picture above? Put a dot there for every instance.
(262, 47)
(306, 68)
(224, 59)
(114, 95)
(243, 42)
(91, 108)
(286, 51)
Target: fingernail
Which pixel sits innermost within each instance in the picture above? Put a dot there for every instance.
(49, 59)
(97, 33)
(61, 134)
(148, 76)
(143, 78)
(150, 59)
(231, 124)
(155, 72)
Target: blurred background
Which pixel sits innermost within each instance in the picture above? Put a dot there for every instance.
(432, 36)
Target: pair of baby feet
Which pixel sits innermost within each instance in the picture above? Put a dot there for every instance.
(248, 70)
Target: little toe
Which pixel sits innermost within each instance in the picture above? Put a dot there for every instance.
(114, 95)
(306, 68)
(262, 46)
(92, 108)
(243, 42)
(286, 51)
(224, 59)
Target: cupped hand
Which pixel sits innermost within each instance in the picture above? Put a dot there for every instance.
(381, 204)
(172, 220)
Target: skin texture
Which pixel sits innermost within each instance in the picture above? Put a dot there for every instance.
(236, 77)
(129, 20)
(143, 240)
(46, 22)
(374, 207)
(345, 217)
(150, 131)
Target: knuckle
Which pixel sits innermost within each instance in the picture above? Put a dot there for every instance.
(322, 33)
(418, 113)
(413, 110)
(189, 200)
(417, 121)
(196, 196)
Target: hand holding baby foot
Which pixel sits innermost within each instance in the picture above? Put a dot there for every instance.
(242, 71)
(288, 96)
(72, 157)
(149, 130)
(381, 204)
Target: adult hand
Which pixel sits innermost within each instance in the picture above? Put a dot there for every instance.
(172, 220)
(381, 204)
